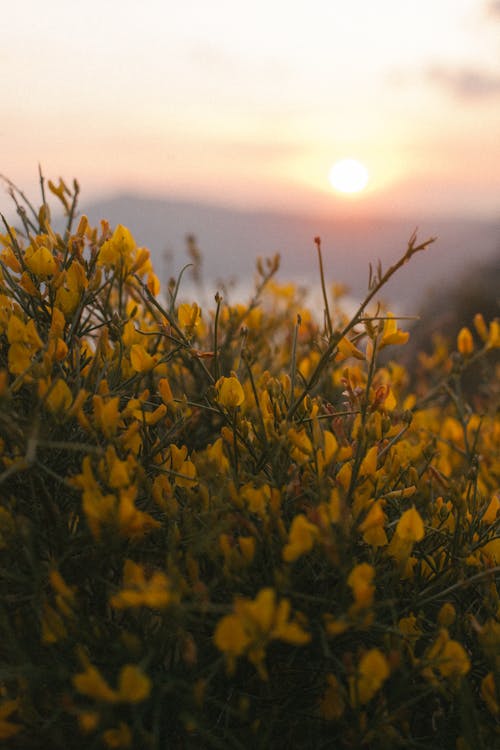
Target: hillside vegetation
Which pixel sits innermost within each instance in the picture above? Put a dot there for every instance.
(236, 528)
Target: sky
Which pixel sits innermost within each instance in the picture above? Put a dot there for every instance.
(249, 104)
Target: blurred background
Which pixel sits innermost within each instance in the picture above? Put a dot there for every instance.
(223, 120)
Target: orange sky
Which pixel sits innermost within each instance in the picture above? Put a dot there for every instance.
(249, 104)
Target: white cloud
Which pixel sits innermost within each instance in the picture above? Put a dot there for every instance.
(466, 83)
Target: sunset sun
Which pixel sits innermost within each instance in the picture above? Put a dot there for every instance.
(348, 176)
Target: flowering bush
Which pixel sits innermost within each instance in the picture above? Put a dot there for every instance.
(234, 528)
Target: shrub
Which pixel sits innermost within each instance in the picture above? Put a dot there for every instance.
(234, 529)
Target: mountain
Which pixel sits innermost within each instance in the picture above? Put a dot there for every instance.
(230, 241)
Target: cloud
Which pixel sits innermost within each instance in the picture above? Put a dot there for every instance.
(262, 150)
(493, 8)
(467, 83)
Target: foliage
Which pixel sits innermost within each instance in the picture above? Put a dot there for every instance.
(234, 529)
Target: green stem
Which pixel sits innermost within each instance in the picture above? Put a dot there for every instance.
(327, 354)
(317, 241)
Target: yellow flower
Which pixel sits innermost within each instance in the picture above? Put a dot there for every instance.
(133, 685)
(488, 694)
(345, 349)
(188, 315)
(333, 626)
(454, 660)
(132, 522)
(118, 473)
(369, 463)
(409, 628)
(27, 284)
(99, 509)
(40, 261)
(7, 727)
(16, 330)
(410, 526)
(465, 342)
(59, 397)
(119, 250)
(91, 683)
(252, 625)
(301, 538)
(141, 360)
(139, 591)
(332, 704)
(447, 656)
(491, 512)
(119, 737)
(480, 326)
(165, 391)
(446, 615)
(53, 627)
(325, 455)
(301, 445)
(24, 343)
(489, 638)
(177, 456)
(153, 417)
(65, 595)
(229, 392)
(360, 581)
(185, 470)
(232, 638)
(153, 284)
(70, 289)
(494, 335)
(8, 257)
(247, 547)
(186, 476)
(409, 529)
(216, 456)
(344, 475)
(390, 402)
(373, 671)
(492, 550)
(335, 506)
(391, 334)
(19, 358)
(107, 414)
(88, 721)
(257, 499)
(331, 446)
(372, 526)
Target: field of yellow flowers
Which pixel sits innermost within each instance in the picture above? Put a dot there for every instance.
(236, 528)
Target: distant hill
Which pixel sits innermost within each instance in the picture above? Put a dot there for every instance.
(230, 241)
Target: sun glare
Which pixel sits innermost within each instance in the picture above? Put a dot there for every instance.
(348, 176)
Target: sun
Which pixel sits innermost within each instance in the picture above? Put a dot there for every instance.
(348, 176)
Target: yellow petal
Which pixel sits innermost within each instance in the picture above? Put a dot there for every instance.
(465, 342)
(41, 262)
(230, 635)
(301, 538)
(133, 685)
(92, 684)
(140, 359)
(373, 670)
(165, 391)
(59, 398)
(229, 392)
(410, 526)
(188, 315)
(360, 581)
(369, 463)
